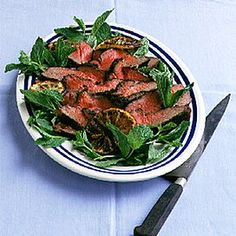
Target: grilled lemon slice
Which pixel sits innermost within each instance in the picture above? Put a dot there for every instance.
(48, 84)
(100, 136)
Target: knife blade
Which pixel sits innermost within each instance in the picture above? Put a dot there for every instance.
(163, 207)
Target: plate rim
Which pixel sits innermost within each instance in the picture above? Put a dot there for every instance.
(123, 177)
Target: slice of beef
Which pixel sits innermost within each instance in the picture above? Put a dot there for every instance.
(128, 61)
(153, 61)
(85, 101)
(184, 99)
(74, 83)
(134, 74)
(62, 128)
(106, 59)
(129, 88)
(161, 116)
(96, 54)
(82, 54)
(148, 103)
(85, 72)
(70, 98)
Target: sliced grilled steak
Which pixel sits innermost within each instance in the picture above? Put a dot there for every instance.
(85, 101)
(96, 54)
(108, 57)
(128, 88)
(70, 98)
(148, 103)
(184, 99)
(83, 53)
(85, 72)
(62, 128)
(152, 62)
(161, 116)
(74, 83)
(133, 74)
(128, 61)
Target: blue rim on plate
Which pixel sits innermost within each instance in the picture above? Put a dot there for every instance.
(76, 162)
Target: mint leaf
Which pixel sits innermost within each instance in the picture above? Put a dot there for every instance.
(36, 54)
(157, 152)
(143, 49)
(62, 51)
(108, 163)
(121, 139)
(13, 66)
(48, 57)
(176, 96)
(176, 134)
(82, 144)
(99, 21)
(80, 23)
(138, 136)
(71, 33)
(103, 33)
(50, 141)
(48, 99)
(92, 40)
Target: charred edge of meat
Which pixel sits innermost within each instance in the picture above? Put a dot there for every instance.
(185, 115)
(65, 129)
(68, 121)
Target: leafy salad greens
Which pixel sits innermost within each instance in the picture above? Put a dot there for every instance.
(143, 144)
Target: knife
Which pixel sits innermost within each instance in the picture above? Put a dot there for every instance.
(163, 207)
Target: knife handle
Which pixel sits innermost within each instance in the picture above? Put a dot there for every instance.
(161, 210)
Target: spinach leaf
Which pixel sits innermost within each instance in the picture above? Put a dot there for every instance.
(48, 99)
(121, 139)
(82, 144)
(99, 21)
(62, 51)
(143, 49)
(80, 23)
(108, 163)
(164, 80)
(138, 136)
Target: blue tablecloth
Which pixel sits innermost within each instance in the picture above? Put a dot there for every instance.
(40, 197)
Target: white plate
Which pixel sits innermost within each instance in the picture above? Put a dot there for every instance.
(73, 160)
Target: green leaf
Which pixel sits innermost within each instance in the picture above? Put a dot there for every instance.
(82, 144)
(80, 23)
(99, 21)
(143, 49)
(108, 163)
(50, 141)
(48, 99)
(71, 33)
(139, 135)
(92, 40)
(103, 33)
(175, 134)
(36, 54)
(12, 66)
(145, 70)
(157, 152)
(176, 96)
(48, 57)
(121, 139)
(62, 51)
(24, 58)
